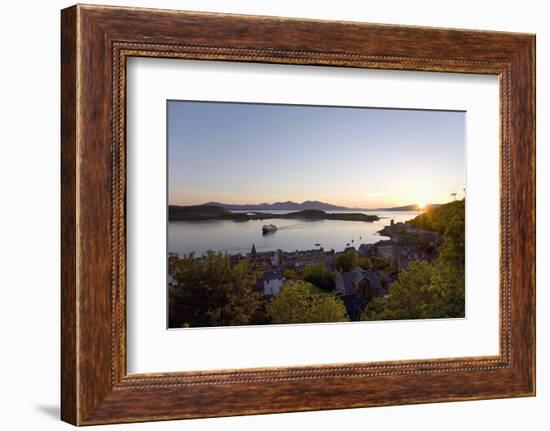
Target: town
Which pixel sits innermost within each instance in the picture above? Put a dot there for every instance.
(358, 275)
(415, 271)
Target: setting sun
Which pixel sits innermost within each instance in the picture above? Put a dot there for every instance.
(421, 205)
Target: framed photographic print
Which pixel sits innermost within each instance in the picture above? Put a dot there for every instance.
(267, 215)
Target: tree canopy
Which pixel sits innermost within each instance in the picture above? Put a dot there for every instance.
(439, 218)
(209, 291)
(301, 302)
(375, 263)
(426, 290)
(347, 261)
(318, 275)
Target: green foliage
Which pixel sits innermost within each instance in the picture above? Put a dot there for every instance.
(375, 263)
(290, 274)
(209, 291)
(429, 291)
(347, 261)
(450, 263)
(318, 275)
(411, 297)
(301, 302)
(438, 219)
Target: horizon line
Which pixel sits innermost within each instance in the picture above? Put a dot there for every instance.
(308, 200)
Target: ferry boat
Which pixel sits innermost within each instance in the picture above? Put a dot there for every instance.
(269, 228)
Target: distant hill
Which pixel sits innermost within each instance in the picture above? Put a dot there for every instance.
(212, 212)
(285, 206)
(306, 205)
(197, 212)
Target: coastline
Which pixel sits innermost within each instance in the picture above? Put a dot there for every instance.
(237, 236)
(205, 212)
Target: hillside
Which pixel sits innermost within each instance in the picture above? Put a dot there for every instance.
(212, 212)
(440, 218)
(321, 215)
(280, 206)
(308, 205)
(412, 207)
(197, 212)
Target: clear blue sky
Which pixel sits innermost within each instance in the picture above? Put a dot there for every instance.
(361, 157)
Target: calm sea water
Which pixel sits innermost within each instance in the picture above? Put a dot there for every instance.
(237, 237)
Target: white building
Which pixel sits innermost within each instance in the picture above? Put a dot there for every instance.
(271, 282)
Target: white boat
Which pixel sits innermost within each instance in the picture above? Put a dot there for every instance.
(269, 228)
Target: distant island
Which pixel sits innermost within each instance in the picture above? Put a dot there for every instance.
(282, 206)
(214, 212)
(306, 205)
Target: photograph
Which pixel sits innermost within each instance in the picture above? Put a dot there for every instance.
(289, 214)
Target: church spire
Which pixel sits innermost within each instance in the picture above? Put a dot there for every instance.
(253, 251)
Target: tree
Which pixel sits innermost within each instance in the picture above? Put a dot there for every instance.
(411, 297)
(318, 275)
(290, 274)
(450, 263)
(347, 261)
(425, 291)
(438, 219)
(375, 263)
(301, 302)
(209, 291)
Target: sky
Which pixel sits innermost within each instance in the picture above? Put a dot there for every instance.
(238, 153)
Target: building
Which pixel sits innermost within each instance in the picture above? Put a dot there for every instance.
(386, 250)
(300, 258)
(365, 283)
(356, 289)
(364, 249)
(277, 259)
(270, 283)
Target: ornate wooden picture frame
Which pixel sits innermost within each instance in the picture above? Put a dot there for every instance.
(96, 41)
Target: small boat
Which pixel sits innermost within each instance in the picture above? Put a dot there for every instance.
(317, 245)
(268, 228)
